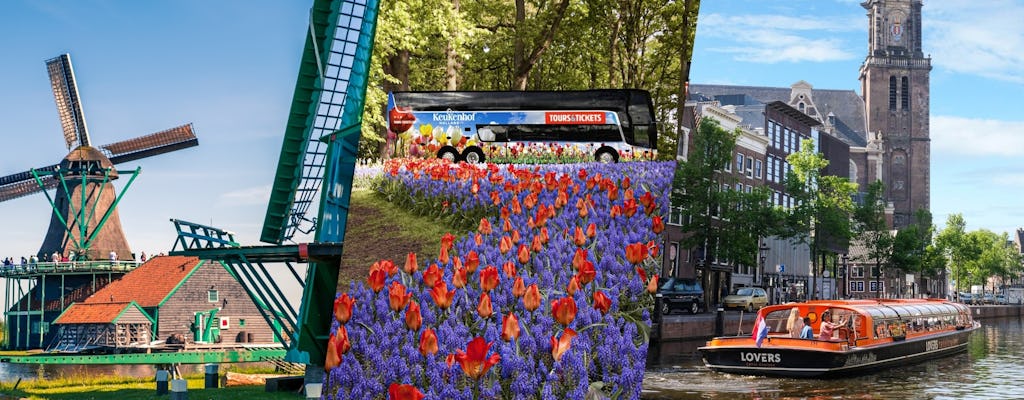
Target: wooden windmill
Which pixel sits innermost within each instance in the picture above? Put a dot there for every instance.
(85, 219)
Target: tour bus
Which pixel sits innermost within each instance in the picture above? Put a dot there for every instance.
(606, 125)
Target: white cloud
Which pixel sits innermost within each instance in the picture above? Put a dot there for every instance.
(1008, 179)
(247, 196)
(977, 137)
(769, 39)
(982, 38)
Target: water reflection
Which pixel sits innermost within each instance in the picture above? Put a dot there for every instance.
(990, 369)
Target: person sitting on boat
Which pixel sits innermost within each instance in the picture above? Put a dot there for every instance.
(828, 327)
(794, 324)
(807, 332)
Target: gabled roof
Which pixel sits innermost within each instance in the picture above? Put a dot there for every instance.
(846, 105)
(94, 313)
(149, 284)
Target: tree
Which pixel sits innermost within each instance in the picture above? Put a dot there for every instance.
(911, 247)
(953, 244)
(873, 230)
(824, 204)
(726, 224)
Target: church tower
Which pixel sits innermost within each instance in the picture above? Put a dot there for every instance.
(895, 85)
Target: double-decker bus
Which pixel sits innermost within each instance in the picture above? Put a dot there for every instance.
(605, 125)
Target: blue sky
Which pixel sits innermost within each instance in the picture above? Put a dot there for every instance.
(229, 67)
(977, 83)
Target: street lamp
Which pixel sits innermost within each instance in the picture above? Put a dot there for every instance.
(842, 273)
(762, 252)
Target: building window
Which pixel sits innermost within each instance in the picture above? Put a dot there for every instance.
(750, 167)
(212, 296)
(857, 271)
(904, 93)
(877, 286)
(757, 169)
(241, 322)
(801, 106)
(857, 286)
(771, 133)
(676, 217)
(892, 93)
(739, 163)
(739, 187)
(750, 188)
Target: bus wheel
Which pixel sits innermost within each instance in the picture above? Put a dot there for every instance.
(606, 155)
(448, 153)
(473, 155)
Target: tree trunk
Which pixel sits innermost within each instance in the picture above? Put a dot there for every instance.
(451, 76)
(397, 65)
(527, 62)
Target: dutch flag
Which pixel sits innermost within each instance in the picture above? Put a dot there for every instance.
(760, 330)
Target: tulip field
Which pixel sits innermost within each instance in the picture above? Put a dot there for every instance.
(547, 294)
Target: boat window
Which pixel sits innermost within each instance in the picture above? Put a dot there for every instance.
(776, 321)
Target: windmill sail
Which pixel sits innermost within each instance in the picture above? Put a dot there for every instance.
(25, 187)
(69, 107)
(150, 145)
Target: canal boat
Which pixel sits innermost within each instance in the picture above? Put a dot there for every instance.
(867, 335)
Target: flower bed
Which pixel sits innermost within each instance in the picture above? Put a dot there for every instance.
(546, 298)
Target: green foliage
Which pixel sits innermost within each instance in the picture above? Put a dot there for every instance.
(823, 205)
(726, 223)
(597, 44)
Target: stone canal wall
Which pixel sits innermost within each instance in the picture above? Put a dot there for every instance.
(702, 326)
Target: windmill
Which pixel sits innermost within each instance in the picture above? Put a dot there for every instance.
(85, 218)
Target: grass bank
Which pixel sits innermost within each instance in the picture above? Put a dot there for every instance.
(378, 230)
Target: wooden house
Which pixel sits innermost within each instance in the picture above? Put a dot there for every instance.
(185, 297)
(88, 326)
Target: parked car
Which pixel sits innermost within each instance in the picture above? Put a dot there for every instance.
(748, 298)
(988, 298)
(965, 298)
(1001, 299)
(682, 294)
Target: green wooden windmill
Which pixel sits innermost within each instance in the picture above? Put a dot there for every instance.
(85, 219)
(316, 166)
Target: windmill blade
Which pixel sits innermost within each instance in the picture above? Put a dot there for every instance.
(69, 107)
(23, 184)
(150, 145)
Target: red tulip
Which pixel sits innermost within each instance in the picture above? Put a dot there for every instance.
(561, 199)
(629, 208)
(602, 302)
(643, 274)
(515, 236)
(564, 310)
(544, 235)
(591, 230)
(442, 296)
(483, 308)
(343, 308)
(389, 266)
(376, 280)
(428, 342)
(587, 273)
(653, 247)
(578, 237)
(657, 225)
(523, 254)
(615, 211)
(582, 174)
(531, 300)
(535, 245)
(561, 345)
(506, 225)
(518, 287)
(342, 345)
(450, 360)
(579, 257)
(474, 361)
(333, 359)
(459, 278)
(447, 240)
(478, 239)
(573, 286)
(410, 263)
(509, 268)
(443, 255)
(582, 207)
(636, 253)
(413, 317)
(489, 278)
(404, 392)
(472, 260)
(505, 245)
(484, 227)
(509, 327)
(652, 286)
(613, 194)
(397, 296)
(432, 275)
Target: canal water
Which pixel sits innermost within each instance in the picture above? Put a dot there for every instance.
(991, 368)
